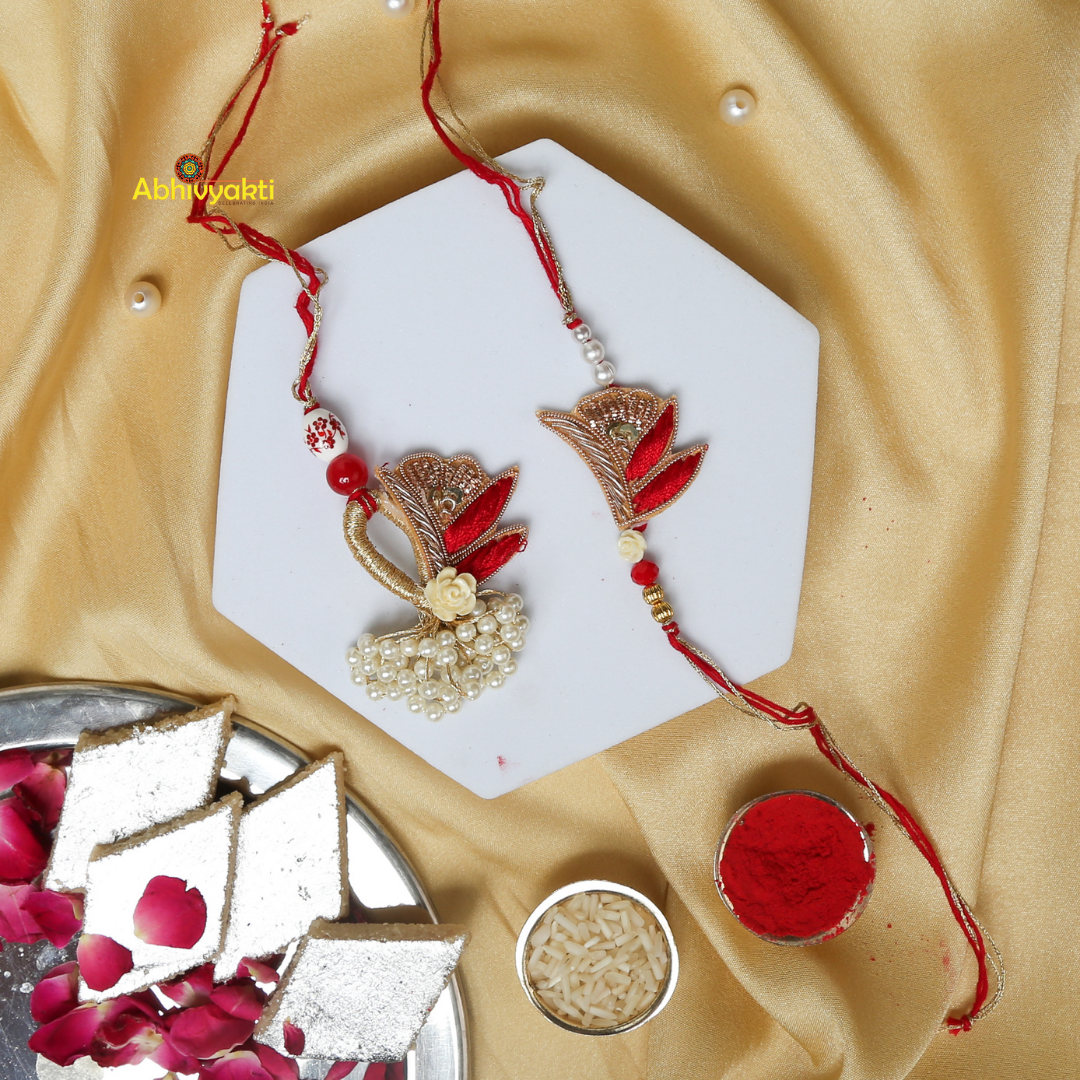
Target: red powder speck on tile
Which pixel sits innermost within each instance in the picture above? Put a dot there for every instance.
(502, 761)
(794, 866)
(870, 828)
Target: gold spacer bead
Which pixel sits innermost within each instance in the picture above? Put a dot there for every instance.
(654, 594)
(663, 613)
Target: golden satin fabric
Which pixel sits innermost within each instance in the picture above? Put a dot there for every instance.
(907, 184)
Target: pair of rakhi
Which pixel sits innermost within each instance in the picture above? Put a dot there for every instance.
(467, 636)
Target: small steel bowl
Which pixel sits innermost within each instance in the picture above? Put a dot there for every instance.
(850, 916)
(662, 998)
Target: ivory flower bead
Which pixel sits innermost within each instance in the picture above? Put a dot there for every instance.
(451, 594)
(632, 545)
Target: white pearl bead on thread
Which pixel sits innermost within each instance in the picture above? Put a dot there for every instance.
(143, 298)
(604, 375)
(592, 352)
(737, 106)
(581, 333)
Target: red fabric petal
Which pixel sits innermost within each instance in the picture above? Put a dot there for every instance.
(239, 1065)
(102, 961)
(294, 1038)
(56, 994)
(169, 913)
(207, 1030)
(494, 555)
(669, 484)
(479, 516)
(58, 914)
(16, 922)
(194, 988)
(240, 997)
(67, 1038)
(259, 970)
(22, 854)
(653, 445)
(15, 765)
(279, 1067)
(43, 790)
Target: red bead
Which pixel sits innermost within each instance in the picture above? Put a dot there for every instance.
(346, 473)
(644, 572)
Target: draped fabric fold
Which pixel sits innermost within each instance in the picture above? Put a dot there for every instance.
(908, 183)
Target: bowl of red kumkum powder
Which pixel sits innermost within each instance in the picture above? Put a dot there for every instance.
(795, 867)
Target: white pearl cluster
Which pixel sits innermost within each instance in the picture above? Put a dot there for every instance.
(592, 352)
(435, 675)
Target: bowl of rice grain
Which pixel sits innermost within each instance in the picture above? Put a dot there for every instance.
(597, 958)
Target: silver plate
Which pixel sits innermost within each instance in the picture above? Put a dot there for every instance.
(380, 877)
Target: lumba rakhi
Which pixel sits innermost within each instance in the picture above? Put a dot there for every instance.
(626, 436)
(465, 639)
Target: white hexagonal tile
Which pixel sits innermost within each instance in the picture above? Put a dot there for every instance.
(440, 333)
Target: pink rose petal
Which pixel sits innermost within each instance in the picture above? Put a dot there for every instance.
(16, 922)
(294, 1038)
(102, 961)
(125, 1039)
(43, 790)
(342, 1068)
(15, 765)
(279, 1067)
(56, 994)
(58, 914)
(207, 1030)
(240, 997)
(169, 1058)
(22, 853)
(194, 988)
(260, 970)
(238, 1065)
(169, 913)
(69, 1037)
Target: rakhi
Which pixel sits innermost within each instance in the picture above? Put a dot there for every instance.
(465, 637)
(626, 436)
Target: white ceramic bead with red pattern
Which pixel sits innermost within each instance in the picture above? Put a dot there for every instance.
(325, 434)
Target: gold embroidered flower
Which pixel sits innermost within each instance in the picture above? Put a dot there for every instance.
(451, 594)
(632, 545)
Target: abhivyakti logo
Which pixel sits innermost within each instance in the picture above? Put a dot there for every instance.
(244, 192)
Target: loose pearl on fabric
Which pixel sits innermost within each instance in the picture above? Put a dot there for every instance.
(581, 333)
(143, 298)
(592, 351)
(604, 375)
(398, 8)
(737, 106)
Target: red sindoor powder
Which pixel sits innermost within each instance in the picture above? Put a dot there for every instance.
(795, 866)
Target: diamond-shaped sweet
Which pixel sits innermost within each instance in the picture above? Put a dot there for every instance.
(461, 365)
(128, 779)
(290, 865)
(361, 992)
(198, 849)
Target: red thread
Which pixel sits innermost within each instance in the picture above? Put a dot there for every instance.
(652, 446)
(806, 717)
(511, 192)
(668, 484)
(479, 516)
(494, 555)
(367, 500)
(795, 866)
(272, 36)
